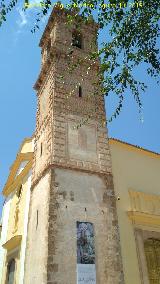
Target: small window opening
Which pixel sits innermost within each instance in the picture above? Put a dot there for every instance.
(37, 220)
(19, 191)
(41, 149)
(80, 92)
(77, 39)
(11, 271)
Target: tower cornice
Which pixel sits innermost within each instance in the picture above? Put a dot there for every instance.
(71, 168)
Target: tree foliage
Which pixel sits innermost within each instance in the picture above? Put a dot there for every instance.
(133, 29)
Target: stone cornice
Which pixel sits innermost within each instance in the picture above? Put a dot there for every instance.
(55, 166)
(140, 202)
(12, 243)
(144, 219)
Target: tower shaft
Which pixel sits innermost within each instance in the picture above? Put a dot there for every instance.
(73, 230)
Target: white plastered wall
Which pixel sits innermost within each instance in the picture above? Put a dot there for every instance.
(5, 218)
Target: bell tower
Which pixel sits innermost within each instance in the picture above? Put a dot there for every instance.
(73, 233)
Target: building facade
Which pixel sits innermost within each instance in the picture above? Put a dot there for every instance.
(66, 195)
(137, 189)
(136, 183)
(15, 216)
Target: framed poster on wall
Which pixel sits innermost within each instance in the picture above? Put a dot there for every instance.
(86, 269)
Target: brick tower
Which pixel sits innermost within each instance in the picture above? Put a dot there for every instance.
(72, 232)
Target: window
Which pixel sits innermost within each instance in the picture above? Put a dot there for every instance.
(152, 252)
(41, 150)
(76, 39)
(11, 271)
(80, 91)
(19, 191)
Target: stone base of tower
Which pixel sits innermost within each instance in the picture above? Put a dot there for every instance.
(62, 198)
(37, 236)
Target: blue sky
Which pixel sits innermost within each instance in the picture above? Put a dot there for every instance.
(19, 68)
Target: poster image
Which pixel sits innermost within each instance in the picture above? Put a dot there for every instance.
(85, 243)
